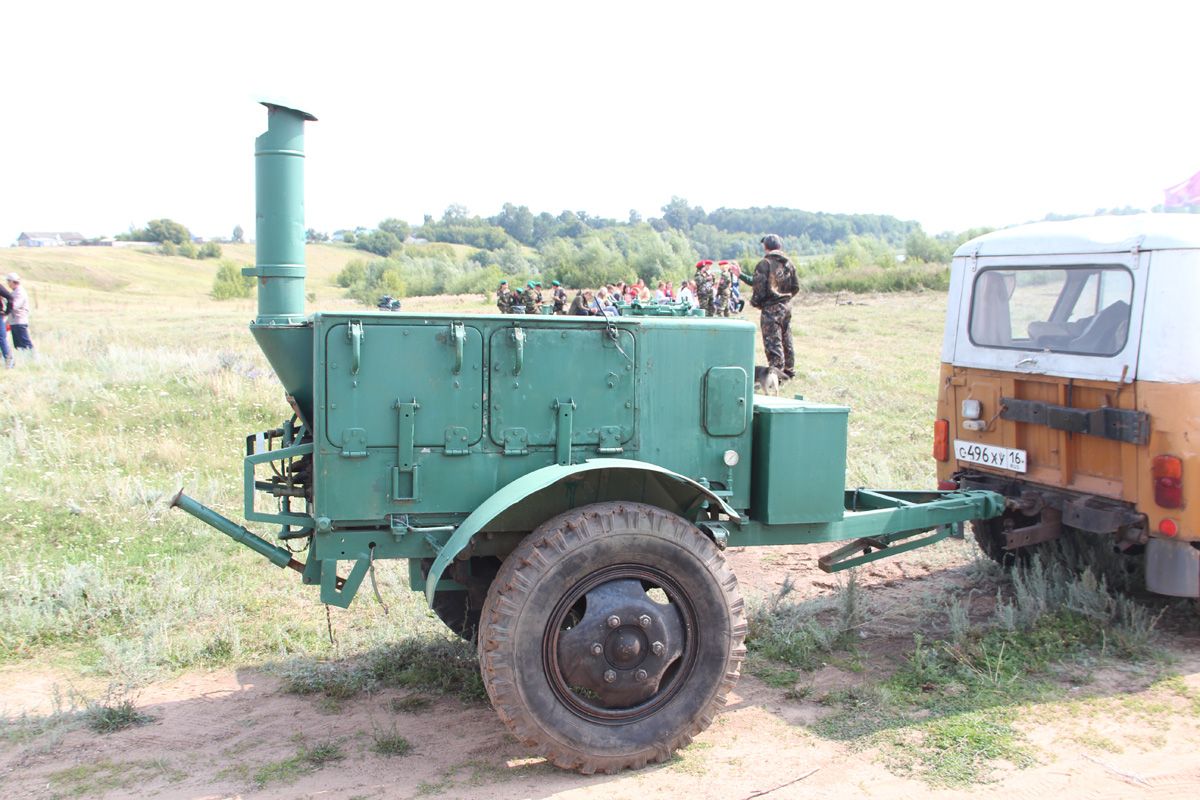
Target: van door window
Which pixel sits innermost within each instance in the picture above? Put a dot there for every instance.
(1080, 310)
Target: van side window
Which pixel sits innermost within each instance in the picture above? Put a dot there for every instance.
(1083, 310)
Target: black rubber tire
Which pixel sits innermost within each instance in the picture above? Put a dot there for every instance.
(454, 609)
(575, 550)
(989, 535)
(461, 610)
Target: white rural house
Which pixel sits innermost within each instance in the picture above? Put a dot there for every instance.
(48, 239)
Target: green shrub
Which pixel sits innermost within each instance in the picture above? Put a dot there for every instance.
(230, 283)
(209, 250)
(907, 278)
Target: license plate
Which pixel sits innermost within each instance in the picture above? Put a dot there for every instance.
(990, 456)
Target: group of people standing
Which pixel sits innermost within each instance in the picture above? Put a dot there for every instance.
(713, 288)
(530, 300)
(716, 287)
(14, 316)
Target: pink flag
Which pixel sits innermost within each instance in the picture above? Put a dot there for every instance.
(1184, 194)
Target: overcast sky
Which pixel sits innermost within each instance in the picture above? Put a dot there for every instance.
(955, 114)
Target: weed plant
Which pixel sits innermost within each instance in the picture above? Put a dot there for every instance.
(792, 632)
(949, 715)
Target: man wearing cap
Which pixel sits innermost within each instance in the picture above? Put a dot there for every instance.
(537, 297)
(18, 313)
(560, 298)
(704, 287)
(504, 298)
(529, 298)
(775, 284)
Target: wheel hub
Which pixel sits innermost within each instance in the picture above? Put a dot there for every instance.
(623, 646)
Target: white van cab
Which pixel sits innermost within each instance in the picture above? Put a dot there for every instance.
(1070, 383)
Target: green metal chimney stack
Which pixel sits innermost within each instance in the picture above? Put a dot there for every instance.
(281, 328)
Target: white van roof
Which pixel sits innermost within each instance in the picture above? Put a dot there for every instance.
(1104, 234)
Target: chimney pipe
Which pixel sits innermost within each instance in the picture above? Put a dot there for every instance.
(279, 201)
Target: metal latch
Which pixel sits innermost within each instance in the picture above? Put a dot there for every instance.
(518, 337)
(404, 474)
(610, 440)
(354, 335)
(458, 336)
(562, 444)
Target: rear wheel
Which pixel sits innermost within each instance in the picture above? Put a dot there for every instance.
(460, 610)
(611, 636)
(990, 535)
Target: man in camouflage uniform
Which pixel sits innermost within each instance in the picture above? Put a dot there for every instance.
(775, 284)
(704, 287)
(560, 298)
(724, 290)
(505, 298)
(531, 298)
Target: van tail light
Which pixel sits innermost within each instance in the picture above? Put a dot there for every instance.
(1168, 527)
(1168, 481)
(941, 439)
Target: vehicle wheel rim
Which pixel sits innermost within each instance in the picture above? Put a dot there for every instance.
(613, 651)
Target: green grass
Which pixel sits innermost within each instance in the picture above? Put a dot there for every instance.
(95, 778)
(390, 743)
(436, 664)
(117, 716)
(306, 760)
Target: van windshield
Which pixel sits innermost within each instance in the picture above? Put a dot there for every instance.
(1082, 310)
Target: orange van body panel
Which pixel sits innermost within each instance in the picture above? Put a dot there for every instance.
(1088, 465)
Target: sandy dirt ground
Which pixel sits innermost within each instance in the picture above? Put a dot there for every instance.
(214, 732)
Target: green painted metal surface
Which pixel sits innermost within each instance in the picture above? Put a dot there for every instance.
(279, 229)
(498, 418)
(528, 486)
(799, 468)
(909, 512)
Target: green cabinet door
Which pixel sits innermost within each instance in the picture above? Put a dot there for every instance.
(534, 371)
(437, 366)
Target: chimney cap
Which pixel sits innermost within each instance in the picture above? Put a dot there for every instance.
(307, 117)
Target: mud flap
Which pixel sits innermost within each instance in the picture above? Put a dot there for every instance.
(1172, 568)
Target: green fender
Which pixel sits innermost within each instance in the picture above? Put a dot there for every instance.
(541, 479)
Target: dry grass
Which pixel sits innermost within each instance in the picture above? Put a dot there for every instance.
(143, 383)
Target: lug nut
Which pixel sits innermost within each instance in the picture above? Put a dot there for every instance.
(597, 649)
(609, 676)
(644, 620)
(657, 648)
(614, 621)
(640, 675)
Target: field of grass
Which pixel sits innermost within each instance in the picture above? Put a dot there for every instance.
(143, 384)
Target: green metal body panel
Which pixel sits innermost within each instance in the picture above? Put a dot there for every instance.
(673, 491)
(869, 513)
(279, 229)
(480, 424)
(799, 462)
(659, 310)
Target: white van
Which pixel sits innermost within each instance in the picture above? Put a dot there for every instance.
(1070, 383)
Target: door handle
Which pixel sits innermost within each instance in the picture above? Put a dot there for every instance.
(458, 335)
(354, 332)
(518, 336)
